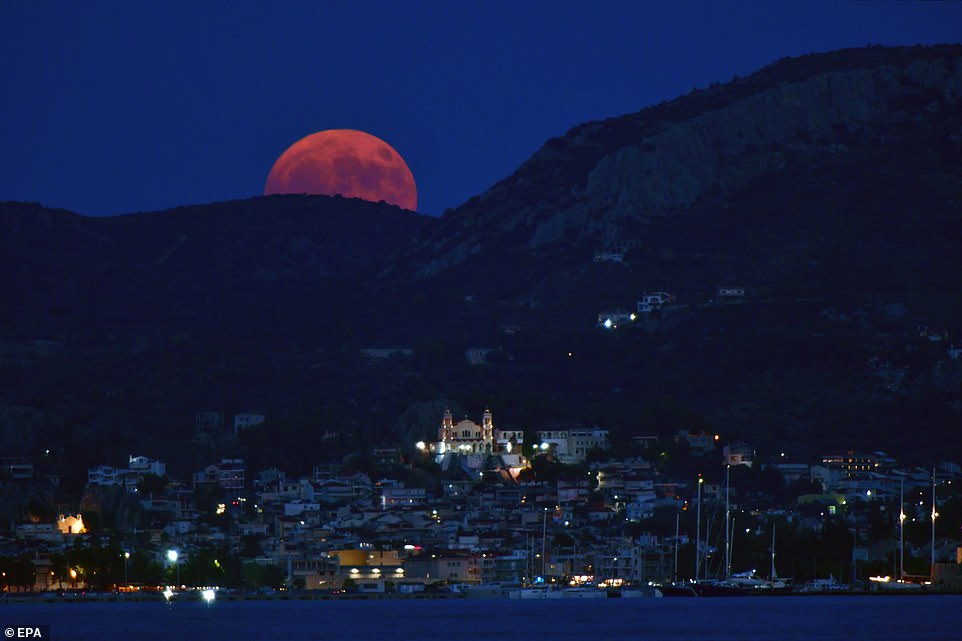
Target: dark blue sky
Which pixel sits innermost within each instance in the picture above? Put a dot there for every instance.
(111, 107)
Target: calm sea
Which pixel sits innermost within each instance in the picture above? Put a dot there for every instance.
(887, 618)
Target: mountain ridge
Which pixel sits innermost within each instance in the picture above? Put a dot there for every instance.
(844, 237)
(551, 195)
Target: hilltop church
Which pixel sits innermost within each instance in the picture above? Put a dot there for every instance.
(475, 442)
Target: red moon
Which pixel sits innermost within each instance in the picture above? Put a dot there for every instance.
(345, 162)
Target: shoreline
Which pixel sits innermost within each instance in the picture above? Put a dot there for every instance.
(51, 598)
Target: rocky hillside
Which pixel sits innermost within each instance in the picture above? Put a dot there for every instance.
(601, 178)
(829, 187)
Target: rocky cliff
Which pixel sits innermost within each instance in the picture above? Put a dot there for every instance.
(602, 177)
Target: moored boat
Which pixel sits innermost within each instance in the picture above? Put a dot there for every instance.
(557, 592)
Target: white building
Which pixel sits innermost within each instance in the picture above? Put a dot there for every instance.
(465, 436)
(243, 421)
(739, 453)
(146, 465)
(572, 445)
(400, 495)
(129, 477)
(478, 355)
(612, 319)
(652, 301)
(700, 442)
(478, 441)
(229, 474)
(729, 294)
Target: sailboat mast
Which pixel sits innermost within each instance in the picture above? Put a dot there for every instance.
(728, 560)
(544, 531)
(530, 564)
(934, 516)
(902, 528)
(731, 544)
(698, 531)
(677, 517)
(773, 555)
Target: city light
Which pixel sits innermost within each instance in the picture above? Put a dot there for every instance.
(208, 595)
(172, 557)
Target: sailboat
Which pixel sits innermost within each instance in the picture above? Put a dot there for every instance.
(740, 583)
(746, 583)
(684, 588)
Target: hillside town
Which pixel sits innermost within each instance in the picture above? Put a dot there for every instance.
(482, 506)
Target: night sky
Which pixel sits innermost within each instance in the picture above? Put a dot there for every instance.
(113, 107)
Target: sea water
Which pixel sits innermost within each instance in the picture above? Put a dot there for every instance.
(882, 618)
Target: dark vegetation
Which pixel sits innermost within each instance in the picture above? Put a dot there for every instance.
(113, 332)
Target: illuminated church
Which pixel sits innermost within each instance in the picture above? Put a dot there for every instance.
(470, 439)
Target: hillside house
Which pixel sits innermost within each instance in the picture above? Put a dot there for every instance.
(700, 443)
(729, 294)
(611, 320)
(738, 453)
(653, 301)
(243, 421)
(228, 474)
(609, 256)
(571, 446)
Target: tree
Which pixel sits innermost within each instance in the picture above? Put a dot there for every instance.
(17, 572)
(256, 575)
(152, 485)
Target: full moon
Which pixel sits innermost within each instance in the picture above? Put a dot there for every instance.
(344, 162)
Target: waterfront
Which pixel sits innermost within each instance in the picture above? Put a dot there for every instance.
(892, 618)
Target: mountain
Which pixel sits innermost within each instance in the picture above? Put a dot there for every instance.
(189, 263)
(602, 178)
(828, 187)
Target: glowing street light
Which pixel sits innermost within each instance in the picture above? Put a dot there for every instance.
(172, 557)
(126, 558)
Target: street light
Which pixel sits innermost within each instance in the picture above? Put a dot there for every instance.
(126, 557)
(172, 557)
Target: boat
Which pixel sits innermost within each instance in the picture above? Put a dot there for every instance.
(558, 592)
(678, 588)
(823, 586)
(634, 592)
(741, 584)
(732, 584)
